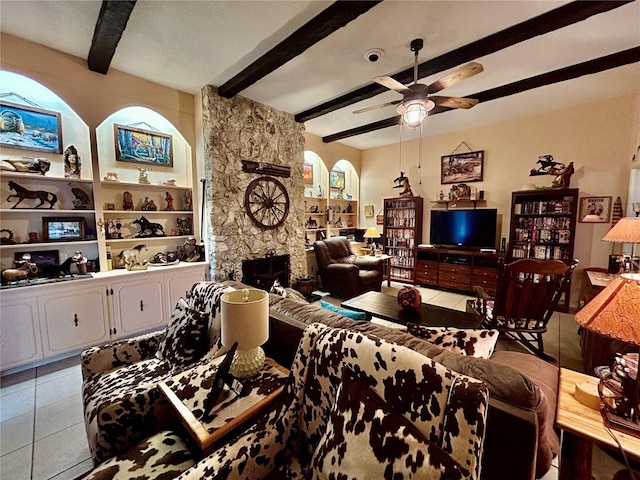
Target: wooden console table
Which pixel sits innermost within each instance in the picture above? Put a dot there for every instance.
(582, 426)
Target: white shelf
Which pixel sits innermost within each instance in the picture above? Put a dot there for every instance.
(146, 239)
(147, 212)
(5, 211)
(106, 183)
(40, 245)
(27, 176)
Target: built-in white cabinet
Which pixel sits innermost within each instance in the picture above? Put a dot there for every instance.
(19, 331)
(73, 320)
(51, 321)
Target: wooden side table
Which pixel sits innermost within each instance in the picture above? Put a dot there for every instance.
(581, 427)
(232, 410)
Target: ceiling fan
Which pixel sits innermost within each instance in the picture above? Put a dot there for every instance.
(417, 100)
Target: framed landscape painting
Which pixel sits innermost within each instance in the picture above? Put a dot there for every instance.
(307, 173)
(30, 128)
(462, 167)
(137, 145)
(336, 179)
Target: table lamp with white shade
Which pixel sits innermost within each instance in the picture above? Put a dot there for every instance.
(245, 319)
(371, 233)
(626, 230)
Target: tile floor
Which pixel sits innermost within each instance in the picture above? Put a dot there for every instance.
(42, 430)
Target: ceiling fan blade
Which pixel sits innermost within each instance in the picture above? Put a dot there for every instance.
(462, 73)
(391, 84)
(454, 102)
(376, 107)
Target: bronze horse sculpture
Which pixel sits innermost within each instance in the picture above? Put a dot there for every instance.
(22, 193)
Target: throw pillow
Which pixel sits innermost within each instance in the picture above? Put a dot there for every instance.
(367, 438)
(467, 341)
(342, 311)
(278, 289)
(187, 337)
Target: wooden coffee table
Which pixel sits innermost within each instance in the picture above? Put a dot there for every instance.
(386, 306)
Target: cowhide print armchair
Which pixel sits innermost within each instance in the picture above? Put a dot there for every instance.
(121, 401)
(365, 408)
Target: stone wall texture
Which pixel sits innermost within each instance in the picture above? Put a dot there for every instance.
(239, 129)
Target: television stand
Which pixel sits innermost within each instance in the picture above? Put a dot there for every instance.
(457, 268)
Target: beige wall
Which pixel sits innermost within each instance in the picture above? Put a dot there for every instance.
(332, 152)
(92, 95)
(598, 137)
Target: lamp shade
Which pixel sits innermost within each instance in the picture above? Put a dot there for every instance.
(591, 218)
(372, 232)
(627, 230)
(414, 110)
(615, 311)
(245, 318)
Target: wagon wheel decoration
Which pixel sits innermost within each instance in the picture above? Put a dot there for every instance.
(267, 202)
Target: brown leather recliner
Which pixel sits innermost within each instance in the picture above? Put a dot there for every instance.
(342, 272)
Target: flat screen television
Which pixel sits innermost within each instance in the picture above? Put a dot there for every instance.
(464, 228)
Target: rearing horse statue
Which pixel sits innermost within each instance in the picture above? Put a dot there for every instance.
(22, 193)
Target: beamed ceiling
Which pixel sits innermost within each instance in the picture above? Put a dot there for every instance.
(308, 57)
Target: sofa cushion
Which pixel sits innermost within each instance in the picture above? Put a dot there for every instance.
(366, 438)
(187, 337)
(164, 455)
(466, 341)
(343, 311)
(207, 297)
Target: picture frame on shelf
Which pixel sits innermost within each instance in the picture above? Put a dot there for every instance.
(30, 128)
(598, 206)
(137, 145)
(63, 229)
(307, 173)
(109, 206)
(462, 167)
(41, 258)
(336, 179)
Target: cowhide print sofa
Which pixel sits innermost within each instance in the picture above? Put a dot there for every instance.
(354, 406)
(520, 439)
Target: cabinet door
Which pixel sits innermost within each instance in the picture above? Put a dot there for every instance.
(138, 306)
(70, 321)
(177, 286)
(19, 333)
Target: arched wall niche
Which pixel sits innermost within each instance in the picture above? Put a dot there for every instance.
(315, 174)
(21, 90)
(351, 180)
(146, 119)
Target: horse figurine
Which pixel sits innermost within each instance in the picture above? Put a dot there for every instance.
(148, 229)
(22, 193)
(53, 270)
(130, 255)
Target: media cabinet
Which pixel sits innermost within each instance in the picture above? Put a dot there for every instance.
(457, 269)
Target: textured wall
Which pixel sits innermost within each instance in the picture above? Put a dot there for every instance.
(239, 129)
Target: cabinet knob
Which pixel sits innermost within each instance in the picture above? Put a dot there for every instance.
(141, 306)
(75, 319)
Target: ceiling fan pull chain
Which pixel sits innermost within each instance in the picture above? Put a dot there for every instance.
(420, 154)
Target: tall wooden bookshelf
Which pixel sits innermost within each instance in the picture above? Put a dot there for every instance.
(402, 235)
(543, 226)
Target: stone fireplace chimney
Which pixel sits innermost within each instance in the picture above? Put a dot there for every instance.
(239, 129)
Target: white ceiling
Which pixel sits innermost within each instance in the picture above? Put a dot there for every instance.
(187, 44)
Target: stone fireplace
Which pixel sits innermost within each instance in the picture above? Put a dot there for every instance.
(262, 272)
(239, 129)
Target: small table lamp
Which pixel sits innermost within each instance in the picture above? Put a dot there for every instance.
(627, 230)
(245, 319)
(615, 313)
(371, 233)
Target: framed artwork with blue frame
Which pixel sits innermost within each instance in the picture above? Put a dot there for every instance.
(30, 128)
(137, 145)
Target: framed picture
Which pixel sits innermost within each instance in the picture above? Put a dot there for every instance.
(41, 258)
(137, 145)
(368, 211)
(307, 173)
(336, 179)
(599, 207)
(109, 206)
(30, 128)
(462, 167)
(62, 229)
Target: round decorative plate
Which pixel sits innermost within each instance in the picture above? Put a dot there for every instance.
(267, 202)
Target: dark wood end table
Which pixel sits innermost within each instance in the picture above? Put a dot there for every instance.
(386, 306)
(232, 410)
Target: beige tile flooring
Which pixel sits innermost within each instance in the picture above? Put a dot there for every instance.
(42, 430)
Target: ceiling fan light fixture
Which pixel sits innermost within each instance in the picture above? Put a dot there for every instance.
(415, 111)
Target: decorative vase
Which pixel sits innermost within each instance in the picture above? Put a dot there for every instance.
(409, 298)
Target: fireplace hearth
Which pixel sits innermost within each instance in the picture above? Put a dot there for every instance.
(262, 272)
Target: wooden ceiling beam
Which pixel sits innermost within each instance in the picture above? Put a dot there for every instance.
(601, 64)
(328, 21)
(563, 16)
(112, 20)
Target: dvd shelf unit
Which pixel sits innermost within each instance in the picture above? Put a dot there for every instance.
(543, 225)
(402, 235)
